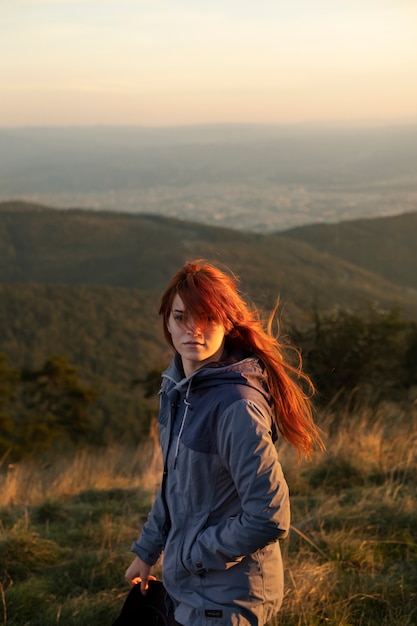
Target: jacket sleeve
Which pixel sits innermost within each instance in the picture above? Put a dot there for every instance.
(249, 454)
(150, 544)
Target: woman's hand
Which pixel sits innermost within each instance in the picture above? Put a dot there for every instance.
(139, 572)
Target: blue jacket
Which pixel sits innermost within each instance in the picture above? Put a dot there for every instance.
(223, 503)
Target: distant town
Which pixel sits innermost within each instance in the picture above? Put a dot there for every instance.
(259, 179)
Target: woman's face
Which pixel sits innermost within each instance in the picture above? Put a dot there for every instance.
(197, 344)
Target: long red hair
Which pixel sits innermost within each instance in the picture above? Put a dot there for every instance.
(211, 294)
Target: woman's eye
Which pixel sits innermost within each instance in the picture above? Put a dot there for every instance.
(178, 317)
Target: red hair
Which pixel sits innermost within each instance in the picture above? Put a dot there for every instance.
(210, 294)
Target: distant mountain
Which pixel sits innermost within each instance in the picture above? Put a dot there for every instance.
(79, 247)
(86, 285)
(247, 177)
(385, 246)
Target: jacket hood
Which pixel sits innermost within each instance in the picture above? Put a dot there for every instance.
(236, 368)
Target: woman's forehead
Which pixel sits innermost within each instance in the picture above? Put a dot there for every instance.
(199, 309)
(178, 304)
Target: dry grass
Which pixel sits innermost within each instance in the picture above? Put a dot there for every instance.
(351, 559)
(63, 476)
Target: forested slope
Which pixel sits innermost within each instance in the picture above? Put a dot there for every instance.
(86, 285)
(385, 246)
(90, 248)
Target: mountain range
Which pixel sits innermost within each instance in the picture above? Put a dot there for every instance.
(346, 264)
(86, 284)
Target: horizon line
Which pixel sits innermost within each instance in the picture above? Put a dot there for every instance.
(299, 124)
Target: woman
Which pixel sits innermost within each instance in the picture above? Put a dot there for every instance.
(223, 503)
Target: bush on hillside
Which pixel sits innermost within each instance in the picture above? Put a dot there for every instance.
(356, 358)
(42, 406)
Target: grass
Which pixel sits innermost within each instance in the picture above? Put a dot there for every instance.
(351, 559)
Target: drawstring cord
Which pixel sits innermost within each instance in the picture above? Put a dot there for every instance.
(184, 417)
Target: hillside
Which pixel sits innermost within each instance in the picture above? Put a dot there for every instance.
(112, 336)
(86, 285)
(385, 246)
(79, 247)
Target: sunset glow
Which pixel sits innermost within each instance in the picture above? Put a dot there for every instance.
(69, 62)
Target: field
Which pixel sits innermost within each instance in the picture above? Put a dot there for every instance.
(67, 523)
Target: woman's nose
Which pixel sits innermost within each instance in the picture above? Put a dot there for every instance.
(193, 327)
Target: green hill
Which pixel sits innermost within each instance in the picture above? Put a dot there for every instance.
(385, 246)
(111, 335)
(86, 285)
(78, 247)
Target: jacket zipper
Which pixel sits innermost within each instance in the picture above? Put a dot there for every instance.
(184, 417)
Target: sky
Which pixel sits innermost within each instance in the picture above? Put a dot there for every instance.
(176, 62)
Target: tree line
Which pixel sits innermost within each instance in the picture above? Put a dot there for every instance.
(360, 357)
(39, 407)
(353, 358)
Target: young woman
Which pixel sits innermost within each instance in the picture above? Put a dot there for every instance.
(223, 503)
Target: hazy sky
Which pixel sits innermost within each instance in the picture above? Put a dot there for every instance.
(168, 62)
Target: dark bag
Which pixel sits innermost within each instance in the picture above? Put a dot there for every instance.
(153, 609)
